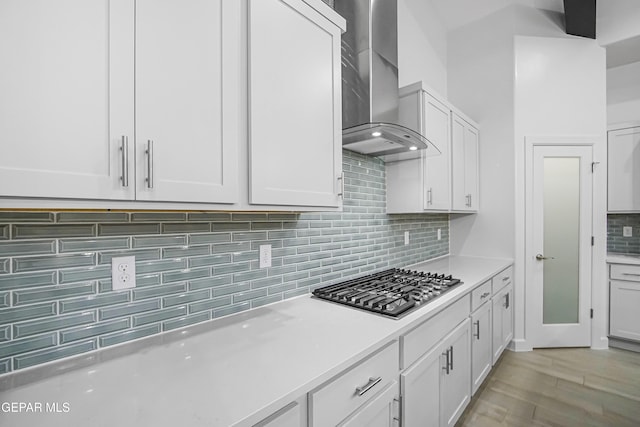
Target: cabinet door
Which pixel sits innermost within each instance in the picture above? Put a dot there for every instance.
(380, 411)
(456, 384)
(187, 100)
(481, 356)
(295, 118)
(502, 321)
(624, 302)
(437, 119)
(67, 98)
(420, 390)
(464, 165)
(624, 168)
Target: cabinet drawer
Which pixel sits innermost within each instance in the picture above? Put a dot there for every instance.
(334, 401)
(625, 272)
(419, 340)
(480, 295)
(502, 279)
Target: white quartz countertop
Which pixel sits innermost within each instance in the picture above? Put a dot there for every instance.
(616, 258)
(232, 371)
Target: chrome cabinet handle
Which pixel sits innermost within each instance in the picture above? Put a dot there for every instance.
(486, 294)
(630, 274)
(451, 366)
(341, 179)
(149, 153)
(368, 386)
(504, 279)
(541, 257)
(446, 363)
(124, 157)
(430, 196)
(477, 323)
(506, 301)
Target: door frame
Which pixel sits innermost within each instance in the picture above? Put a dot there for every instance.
(595, 291)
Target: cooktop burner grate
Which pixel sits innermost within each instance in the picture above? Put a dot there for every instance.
(392, 292)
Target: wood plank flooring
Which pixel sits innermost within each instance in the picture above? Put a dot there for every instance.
(559, 387)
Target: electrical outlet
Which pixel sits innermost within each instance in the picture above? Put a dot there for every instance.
(123, 272)
(627, 231)
(406, 237)
(265, 256)
(439, 234)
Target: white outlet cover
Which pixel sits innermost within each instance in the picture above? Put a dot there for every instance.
(627, 231)
(123, 272)
(439, 234)
(265, 256)
(406, 237)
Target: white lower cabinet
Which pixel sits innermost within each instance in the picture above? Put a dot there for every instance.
(350, 396)
(481, 339)
(436, 389)
(502, 321)
(624, 301)
(381, 411)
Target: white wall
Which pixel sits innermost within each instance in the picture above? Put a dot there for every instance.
(619, 21)
(560, 90)
(623, 93)
(564, 99)
(422, 46)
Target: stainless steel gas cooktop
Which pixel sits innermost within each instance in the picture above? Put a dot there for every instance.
(393, 292)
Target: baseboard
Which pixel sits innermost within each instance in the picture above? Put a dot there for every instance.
(601, 344)
(624, 344)
(520, 345)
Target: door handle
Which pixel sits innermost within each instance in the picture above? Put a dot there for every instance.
(149, 153)
(477, 323)
(541, 257)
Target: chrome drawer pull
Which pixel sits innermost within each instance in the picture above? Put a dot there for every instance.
(341, 179)
(477, 323)
(446, 363)
(630, 274)
(124, 148)
(149, 153)
(504, 279)
(368, 386)
(451, 366)
(486, 294)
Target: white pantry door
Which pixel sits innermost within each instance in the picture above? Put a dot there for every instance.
(559, 212)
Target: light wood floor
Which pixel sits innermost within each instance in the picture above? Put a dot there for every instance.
(559, 387)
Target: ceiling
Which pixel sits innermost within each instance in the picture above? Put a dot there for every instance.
(616, 21)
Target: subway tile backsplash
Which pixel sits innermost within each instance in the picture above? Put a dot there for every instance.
(615, 240)
(56, 298)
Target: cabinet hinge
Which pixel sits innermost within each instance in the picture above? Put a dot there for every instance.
(591, 313)
(593, 240)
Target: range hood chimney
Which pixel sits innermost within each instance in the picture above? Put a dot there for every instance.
(370, 96)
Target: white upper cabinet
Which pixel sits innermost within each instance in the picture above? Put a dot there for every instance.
(624, 170)
(464, 150)
(295, 116)
(187, 100)
(435, 183)
(66, 103)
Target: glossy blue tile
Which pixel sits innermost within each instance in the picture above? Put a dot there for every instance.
(210, 260)
(158, 241)
(141, 281)
(14, 347)
(43, 356)
(127, 229)
(230, 226)
(84, 274)
(32, 247)
(55, 231)
(159, 315)
(53, 262)
(158, 216)
(184, 252)
(16, 314)
(90, 245)
(156, 291)
(185, 298)
(198, 239)
(94, 330)
(5, 267)
(26, 216)
(5, 333)
(160, 266)
(186, 321)
(61, 322)
(258, 302)
(188, 274)
(249, 295)
(128, 309)
(187, 227)
(5, 366)
(5, 299)
(209, 282)
(132, 334)
(29, 296)
(209, 304)
(209, 216)
(92, 217)
(232, 309)
(4, 232)
(140, 254)
(86, 303)
(19, 281)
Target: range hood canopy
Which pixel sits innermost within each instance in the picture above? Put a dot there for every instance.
(370, 98)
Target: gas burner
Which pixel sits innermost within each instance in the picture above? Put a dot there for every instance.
(391, 292)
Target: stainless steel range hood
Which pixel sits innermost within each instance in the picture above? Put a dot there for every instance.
(370, 117)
